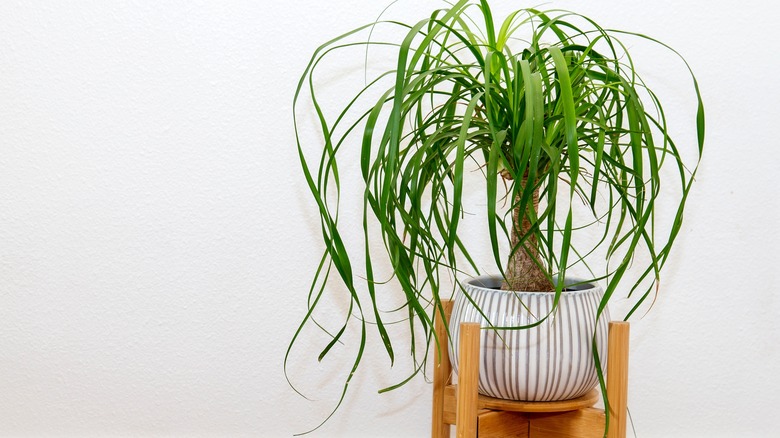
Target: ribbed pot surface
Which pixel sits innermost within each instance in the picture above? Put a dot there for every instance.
(552, 361)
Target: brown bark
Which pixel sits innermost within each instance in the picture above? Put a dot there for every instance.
(523, 272)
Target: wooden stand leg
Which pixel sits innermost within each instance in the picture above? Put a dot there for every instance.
(617, 379)
(442, 370)
(468, 380)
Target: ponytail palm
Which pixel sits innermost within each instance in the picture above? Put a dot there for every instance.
(561, 126)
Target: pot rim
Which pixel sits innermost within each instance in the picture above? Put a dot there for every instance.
(492, 283)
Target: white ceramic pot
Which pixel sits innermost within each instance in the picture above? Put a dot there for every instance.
(552, 361)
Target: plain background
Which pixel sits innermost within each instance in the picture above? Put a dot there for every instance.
(157, 238)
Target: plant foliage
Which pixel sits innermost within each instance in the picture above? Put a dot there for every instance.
(547, 97)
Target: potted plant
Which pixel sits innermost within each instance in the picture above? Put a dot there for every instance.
(572, 148)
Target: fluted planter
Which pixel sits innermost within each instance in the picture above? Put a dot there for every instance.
(552, 361)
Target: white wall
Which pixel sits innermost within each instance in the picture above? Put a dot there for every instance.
(157, 238)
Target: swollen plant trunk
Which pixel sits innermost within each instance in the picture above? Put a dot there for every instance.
(524, 272)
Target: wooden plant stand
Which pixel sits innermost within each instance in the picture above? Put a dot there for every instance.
(476, 415)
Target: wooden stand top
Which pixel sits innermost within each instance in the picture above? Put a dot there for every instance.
(485, 402)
